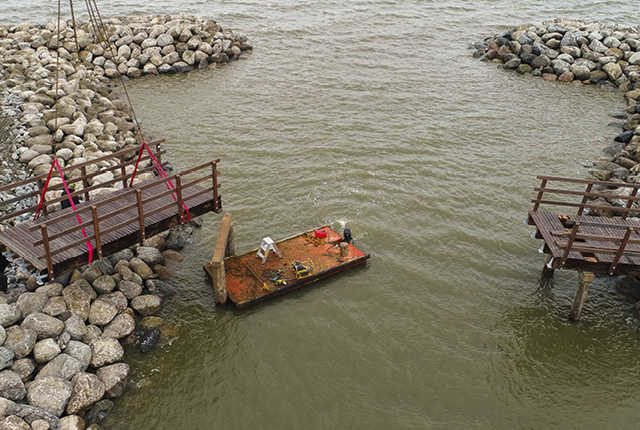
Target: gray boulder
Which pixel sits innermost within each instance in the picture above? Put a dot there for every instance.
(13, 422)
(44, 325)
(3, 335)
(71, 422)
(63, 366)
(50, 393)
(75, 326)
(45, 350)
(80, 351)
(11, 386)
(31, 414)
(51, 290)
(6, 357)
(150, 255)
(92, 273)
(24, 368)
(9, 314)
(31, 302)
(117, 299)
(104, 284)
(130, 289)
(20, 340)
(77, 300)
(105, 351)
(121, 326)
(102, 312)
(147, 304)
(115, 378)
(141, 268)
(55, 307)
(87, 389)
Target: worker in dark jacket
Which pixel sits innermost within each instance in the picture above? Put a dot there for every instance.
(76, 199)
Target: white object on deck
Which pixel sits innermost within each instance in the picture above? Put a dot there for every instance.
(267, 245)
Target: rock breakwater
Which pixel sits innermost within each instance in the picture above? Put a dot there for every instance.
(582, 53)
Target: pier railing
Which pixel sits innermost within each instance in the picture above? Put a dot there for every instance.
(583, 198)
(125, 213)
(80, 173)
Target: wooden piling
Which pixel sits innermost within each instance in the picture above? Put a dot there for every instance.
(584, 280)
(215, 269)
(547, 271)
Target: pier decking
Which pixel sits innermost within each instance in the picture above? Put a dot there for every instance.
(56, 243)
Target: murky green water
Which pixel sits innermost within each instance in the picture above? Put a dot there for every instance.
(373, 113)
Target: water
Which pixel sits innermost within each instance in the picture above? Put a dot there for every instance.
(374, 113)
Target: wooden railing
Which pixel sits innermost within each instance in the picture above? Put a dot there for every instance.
(95, 224)
(586, 195)
(123, 158)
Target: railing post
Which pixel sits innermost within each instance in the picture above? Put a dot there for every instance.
(214, 181)
(584, 199)
(630, 202)
(159, 154)
(96, 230)
(123, 171)
(179, 200)
(620, 252)
(85, 182)
(44, 196)
(572, 238)
(543, 184)
(140, 215)
(47, 250)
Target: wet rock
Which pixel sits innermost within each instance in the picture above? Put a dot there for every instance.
(149, 339)
(141, 268)
(115, 378)
(158, 242)
(121, 326)
(11, 386)
(105, 351)
(87, 389)
(9, 314)
(45, 350)
(98, 413)
(612, 70)
(32, 413)
(178, 239)
(150, 255)
(160, 288)
(147, 304)
(91, 274)
(20, 340)
(102, 312)
(44, 325)
(50, 393)
(172, 256)
(125, 254)
(624, 137)
(63, 366)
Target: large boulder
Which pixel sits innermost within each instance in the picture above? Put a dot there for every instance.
(150, 255)
(141, 268)
(24, 368)
(20, 340)
(105, 351)
(78, 301)
(114, 378)
(147, 304)
(32, 414)
(130, 289)
(6, 357)
(63, 366)
(13, 422)
(11, 386)
(80, 351)
(612, 70)
(44, 325)
(55, 307)
(71, 422)
(9, 314)
(104, 284)
(102, 312)
(32, 302)
(87, 389)
(50, 393)
(75, 326)
(45, 350)
(121, 326)
(117, 299)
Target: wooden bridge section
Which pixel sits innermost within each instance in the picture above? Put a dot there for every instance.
(596, 230)
(55, 242)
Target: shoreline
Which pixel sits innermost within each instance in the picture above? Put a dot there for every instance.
(584, 53)
(62, 343)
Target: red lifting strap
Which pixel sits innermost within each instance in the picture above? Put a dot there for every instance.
(73, 205)
(158, 168)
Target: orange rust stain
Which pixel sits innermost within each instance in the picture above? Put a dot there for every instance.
(246, 276)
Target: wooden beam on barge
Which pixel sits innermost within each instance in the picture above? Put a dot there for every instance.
(224, 248)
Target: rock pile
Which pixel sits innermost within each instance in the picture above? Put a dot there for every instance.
(582, 53)
(84, 118)
(61, 344)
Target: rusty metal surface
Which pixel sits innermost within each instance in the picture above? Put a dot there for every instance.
(246, 276)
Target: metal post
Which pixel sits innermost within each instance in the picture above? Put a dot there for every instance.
(140, 215)
(96, 230)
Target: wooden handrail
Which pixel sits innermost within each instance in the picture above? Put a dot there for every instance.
(575, 205)
(587, 181)
(73, 244)
(588, 194)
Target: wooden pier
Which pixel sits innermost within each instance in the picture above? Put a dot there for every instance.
(56, 243)
(596, 238)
